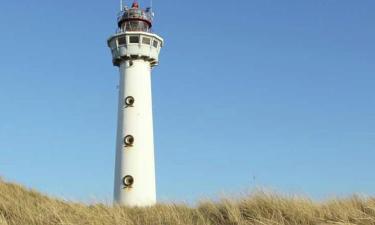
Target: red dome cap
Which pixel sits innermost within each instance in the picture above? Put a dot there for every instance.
(135, 5)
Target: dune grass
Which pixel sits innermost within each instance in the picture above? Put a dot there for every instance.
(20, 206)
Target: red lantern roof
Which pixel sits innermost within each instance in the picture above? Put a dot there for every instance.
(135, 5)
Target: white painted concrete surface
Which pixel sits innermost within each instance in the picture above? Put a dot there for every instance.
(136, 160)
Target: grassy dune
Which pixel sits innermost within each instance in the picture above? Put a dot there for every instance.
(19, 206)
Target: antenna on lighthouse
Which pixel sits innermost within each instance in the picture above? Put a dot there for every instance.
(151, 9)
(121, 5)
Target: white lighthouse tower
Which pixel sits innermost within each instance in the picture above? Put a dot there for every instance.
(135, 50)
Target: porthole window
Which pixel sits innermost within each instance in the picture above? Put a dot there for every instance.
(122, 41)
(146, 41)
(128, 181)
(129, 141)
(129, 101)
(134, 39)
(155, 44)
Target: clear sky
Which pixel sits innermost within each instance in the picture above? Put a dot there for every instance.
(277, 94)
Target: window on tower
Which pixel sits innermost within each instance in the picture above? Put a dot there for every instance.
(122, 40)
(146, 40)
(135, 26)
(156, 43)
(134, 39)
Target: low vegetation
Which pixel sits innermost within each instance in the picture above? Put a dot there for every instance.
(19, 206)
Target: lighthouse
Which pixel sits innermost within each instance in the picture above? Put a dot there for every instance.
(135, 51)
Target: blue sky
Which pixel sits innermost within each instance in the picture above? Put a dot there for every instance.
(276, 94)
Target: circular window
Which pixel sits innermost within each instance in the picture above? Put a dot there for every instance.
(128, 181)
(129, 140)
(129, 101)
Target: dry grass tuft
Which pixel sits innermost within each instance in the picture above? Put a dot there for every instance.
(19, 206)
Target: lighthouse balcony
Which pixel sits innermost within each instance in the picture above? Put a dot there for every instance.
(135, 45)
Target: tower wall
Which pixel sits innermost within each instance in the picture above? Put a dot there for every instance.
(136, 160)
